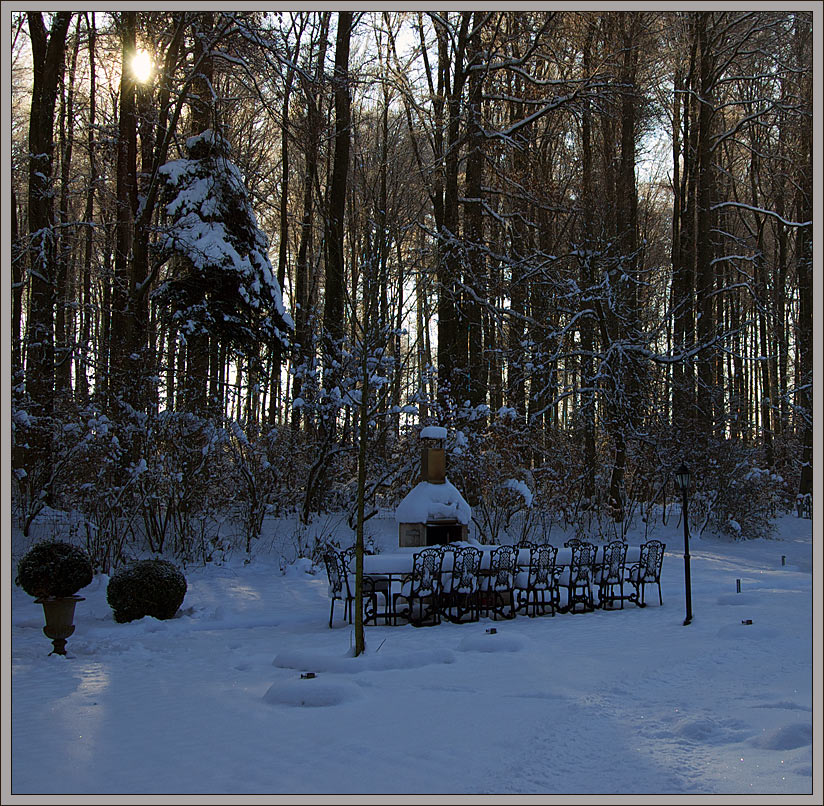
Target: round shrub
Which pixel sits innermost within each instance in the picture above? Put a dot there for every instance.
(148, 588)
(54, 568)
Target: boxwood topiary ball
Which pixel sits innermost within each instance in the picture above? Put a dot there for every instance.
(54, 568)
(148, 588)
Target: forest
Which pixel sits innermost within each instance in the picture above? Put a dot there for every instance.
(253, 253)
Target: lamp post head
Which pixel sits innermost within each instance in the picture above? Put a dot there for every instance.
(682, 478)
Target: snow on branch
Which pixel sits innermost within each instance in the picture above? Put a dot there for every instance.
(761, 211)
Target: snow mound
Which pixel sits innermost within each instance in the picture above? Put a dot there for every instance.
(367, 662)
(299, 568)
(433, 432)
(484, 642)
(787, 737)
(708, 731)
(433, 502)
(312, 693)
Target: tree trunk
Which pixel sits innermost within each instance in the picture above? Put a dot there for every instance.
(283, 230)
(804, 258)
(587, 282)
(333, 321)
(473, 221)
(47, 63)
(706, 403)
(202, 114)
(17, 252)
(86, 309)
(63, 349)
(123, 361)
(304, 358)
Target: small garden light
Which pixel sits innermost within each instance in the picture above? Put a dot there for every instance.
(682, 478)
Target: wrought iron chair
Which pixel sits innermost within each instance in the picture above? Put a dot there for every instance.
(578, 576)
(459, 597)
(609, 574)
(422, 588)
(647, 571)
(498, 592)
(539, 581)
(339, 588)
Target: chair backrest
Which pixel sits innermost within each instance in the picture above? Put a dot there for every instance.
(542, 565)
(582, 562)
(651, 560)
(336, 573)
(465, 568)
(572, 542)
(525, 544)
(613, 560)
(426, 571)
(348, 555)
(503, 563)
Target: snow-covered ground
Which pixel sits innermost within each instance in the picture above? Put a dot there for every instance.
(624, 702)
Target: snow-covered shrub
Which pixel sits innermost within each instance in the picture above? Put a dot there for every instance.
(148, 588)
(255, 477)
(102, 483)
(187, 483)
(487, 465)
(54, 568)
(730, 494)
(46, 456)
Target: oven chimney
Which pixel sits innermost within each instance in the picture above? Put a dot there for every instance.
(433, 460)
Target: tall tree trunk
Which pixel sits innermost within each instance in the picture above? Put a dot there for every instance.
(123, 361)
(304, 358)
(200, 101)
(86, 309)
(517, 248)
(804, 256)
(47, 64)
(63, 349)
(707, 405)
(17, 283)
(452, 352)
(333, 320)
(283, 229)
(683, 283)
(473, 221)
(587, 282)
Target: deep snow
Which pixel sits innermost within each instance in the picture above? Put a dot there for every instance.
(605, 703)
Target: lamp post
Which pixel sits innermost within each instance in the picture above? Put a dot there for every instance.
(682, 478)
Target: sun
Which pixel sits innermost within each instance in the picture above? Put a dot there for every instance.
(142, 66)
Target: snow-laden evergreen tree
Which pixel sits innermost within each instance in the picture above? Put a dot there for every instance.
(225, 285)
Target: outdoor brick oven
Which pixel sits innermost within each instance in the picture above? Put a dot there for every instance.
(433, 511)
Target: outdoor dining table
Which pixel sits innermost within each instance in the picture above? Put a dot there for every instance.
(386, 572)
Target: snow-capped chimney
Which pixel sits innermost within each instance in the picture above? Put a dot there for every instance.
(433, 455)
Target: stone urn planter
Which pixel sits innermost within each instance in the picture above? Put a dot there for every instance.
(59, 612)
(53, 572)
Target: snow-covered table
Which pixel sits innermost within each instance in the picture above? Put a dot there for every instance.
(386, 572)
